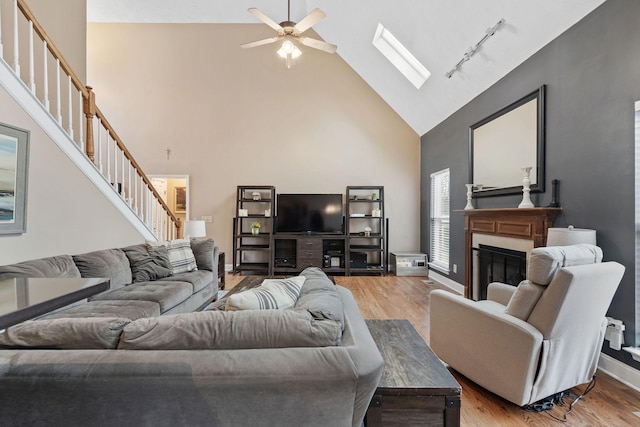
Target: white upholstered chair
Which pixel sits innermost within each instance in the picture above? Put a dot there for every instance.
(541, 338)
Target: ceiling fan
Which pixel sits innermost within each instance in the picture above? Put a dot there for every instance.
(290, 32)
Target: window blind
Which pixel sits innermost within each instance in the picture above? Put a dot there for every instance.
(439, 223)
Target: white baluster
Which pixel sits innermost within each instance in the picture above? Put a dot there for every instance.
(100, 147)
(58, 94)
(81, 121)
(45, 65)
(70, 120)
(32, 82)
(115, 164)
(122, 170)
(1, 48)
(16, 47)
(108, 161)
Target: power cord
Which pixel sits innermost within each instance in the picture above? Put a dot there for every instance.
(546, 404)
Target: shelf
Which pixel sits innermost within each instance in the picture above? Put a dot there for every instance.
(252, 266)
(253, 248)
(364, 247)
(253, 252)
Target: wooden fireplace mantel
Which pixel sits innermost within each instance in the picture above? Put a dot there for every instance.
(520, 223)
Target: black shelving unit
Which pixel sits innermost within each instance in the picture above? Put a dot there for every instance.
(252, 252)
(366, 251)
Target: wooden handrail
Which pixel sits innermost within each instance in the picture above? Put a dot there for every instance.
(39, 29)
(134, 163)
(90, 110)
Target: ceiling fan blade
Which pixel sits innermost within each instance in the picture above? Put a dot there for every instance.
(318, 44)
(264, 18)
(309, 21)
(259, 42)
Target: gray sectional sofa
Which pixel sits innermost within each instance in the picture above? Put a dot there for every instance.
(105, 363)
(142, 281)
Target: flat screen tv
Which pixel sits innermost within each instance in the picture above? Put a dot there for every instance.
(309, 213)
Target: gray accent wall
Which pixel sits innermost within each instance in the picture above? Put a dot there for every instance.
(592, 73)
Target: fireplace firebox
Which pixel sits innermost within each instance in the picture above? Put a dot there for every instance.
(499, 265)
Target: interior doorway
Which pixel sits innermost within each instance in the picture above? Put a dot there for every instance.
(174, 190)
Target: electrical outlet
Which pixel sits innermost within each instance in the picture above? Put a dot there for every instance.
(455, 268)
(206, 218)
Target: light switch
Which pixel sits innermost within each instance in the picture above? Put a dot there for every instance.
(206, 218)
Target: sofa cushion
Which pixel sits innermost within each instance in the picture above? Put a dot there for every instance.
(203, 251)
(131, 310)
(148, 262)
(166, 293)
(524, 299)
(199, 279)
(231, 330)
(278, 294)
(57, 266)
(320, 297)
(544, 262)
(110, 263)
(85, 333)
(180, 255)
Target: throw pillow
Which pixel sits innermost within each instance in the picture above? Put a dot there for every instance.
(277, 294)
(180, 255)
(111, 263)
(148, 262)
(524, 299)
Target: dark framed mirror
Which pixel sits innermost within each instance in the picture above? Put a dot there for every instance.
(504, 143)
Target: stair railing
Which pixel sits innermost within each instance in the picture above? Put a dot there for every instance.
(72, 105)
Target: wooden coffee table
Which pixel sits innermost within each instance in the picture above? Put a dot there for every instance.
(416, 388)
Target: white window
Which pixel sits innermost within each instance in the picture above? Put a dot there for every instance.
(440, 220)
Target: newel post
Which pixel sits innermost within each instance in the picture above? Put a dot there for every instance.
(179, 229)
(89, 108)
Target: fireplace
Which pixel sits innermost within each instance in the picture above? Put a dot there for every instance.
(516, 229)
(499, 265)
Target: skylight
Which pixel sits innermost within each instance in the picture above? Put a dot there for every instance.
(400, 56)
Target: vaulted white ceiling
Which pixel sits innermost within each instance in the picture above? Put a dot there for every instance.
(437, 32)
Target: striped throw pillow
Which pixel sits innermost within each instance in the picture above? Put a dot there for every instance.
(272, 294)
(181, 256)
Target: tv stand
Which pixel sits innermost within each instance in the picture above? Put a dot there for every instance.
(295, 252)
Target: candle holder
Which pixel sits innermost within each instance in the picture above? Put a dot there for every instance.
(469, 197)
(526, 189)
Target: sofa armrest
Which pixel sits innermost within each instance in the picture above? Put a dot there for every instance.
(498, 351)
(500, 292)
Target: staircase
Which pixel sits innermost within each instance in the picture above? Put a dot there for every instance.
(47, 88)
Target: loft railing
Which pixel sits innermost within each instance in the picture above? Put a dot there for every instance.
(72, 105)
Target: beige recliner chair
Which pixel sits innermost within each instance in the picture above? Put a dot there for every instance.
(541, 338)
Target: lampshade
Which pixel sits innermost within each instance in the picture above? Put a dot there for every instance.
(570, 236)
(194, 228)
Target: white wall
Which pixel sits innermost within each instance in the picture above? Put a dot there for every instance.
(238, 117)
(65, 212)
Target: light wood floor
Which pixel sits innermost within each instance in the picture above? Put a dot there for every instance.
(610, 403)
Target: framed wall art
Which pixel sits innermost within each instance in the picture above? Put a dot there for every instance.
(14, 159)
(181, 199)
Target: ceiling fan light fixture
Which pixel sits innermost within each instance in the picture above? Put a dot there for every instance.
(289, 52)
(400, 56)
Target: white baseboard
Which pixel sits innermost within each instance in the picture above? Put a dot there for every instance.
(620, 371)
(459, 288)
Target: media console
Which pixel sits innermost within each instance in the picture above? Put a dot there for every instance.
(267, 240)
(295, 252)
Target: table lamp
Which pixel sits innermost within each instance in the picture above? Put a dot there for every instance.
(570, 236)
(194, 228)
